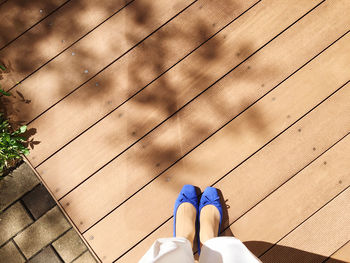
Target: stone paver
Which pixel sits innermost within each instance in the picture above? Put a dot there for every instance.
(22, 199)
(85, 258)
(42, 232)
(69, 246)
(10, 254)
(12, 221)
(38, 201)
(47, 255)
(17, 184)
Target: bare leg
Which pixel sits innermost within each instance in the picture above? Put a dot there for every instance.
(186, 221)
(209, 223)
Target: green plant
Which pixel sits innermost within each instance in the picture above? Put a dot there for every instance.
(11, 143)
(1, 90)
(4, 92)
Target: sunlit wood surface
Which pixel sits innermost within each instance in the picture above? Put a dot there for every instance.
(128, 100)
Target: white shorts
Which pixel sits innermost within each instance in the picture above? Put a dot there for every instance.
(215, 250)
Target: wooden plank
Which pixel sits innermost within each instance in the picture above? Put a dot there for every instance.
(50, 37)
(150, 107)
(86, 208)
(342, 254)
(325, 231)
(86, 57)
(18, 16)
(297, 143)
(288, 206)
(202, 19)
(216, 156)
(140, 249)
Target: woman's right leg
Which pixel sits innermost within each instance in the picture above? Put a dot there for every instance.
(226, 250)
(220, 249)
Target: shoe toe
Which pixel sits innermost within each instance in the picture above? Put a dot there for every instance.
(211, 196)
(211, 193)
(189, 191)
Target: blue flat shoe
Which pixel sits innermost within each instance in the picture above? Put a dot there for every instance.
(211, 196)
(188, 194)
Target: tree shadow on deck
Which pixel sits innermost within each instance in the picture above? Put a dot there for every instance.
(163, 95)
(18, 14)
(43, 60)
(169, 95)
(153, 57)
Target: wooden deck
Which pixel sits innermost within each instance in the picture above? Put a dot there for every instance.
(128, 100)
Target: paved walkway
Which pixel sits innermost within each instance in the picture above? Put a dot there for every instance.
(32, 227)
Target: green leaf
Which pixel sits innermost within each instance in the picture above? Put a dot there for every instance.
(4, 92)
(11, 145)
(25, 151)
(2, 67)
(23, 128)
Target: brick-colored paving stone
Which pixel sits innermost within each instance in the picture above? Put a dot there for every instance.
(12, 221)
(42, 232)
(38, 201)
(69, 246)
(85, 258)
(10, 254)
(17, 184)
(47, 255)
